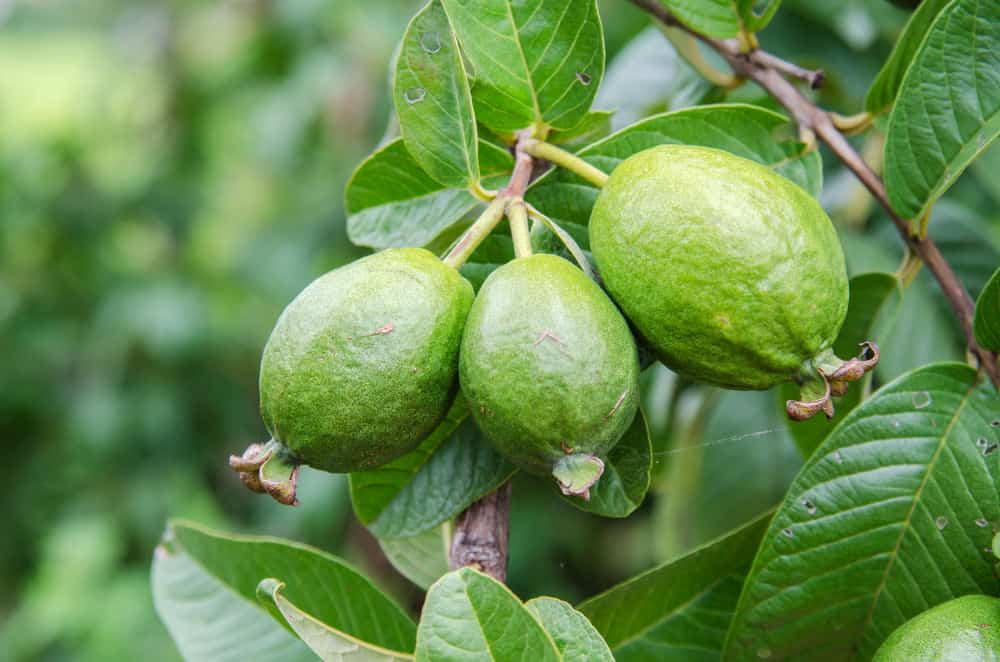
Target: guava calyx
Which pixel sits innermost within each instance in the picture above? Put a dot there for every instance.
(829, 380)
(576, 473)
(268, 468)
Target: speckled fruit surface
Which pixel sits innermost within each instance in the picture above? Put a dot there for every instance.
(731, 272)
(548, 364)
(363, 364)
(965, 629)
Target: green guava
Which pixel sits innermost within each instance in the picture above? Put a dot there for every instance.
(732, 273)
(549, 369)
(966, 628)
(361, 366)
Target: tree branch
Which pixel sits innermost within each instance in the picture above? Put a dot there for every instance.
(769, 72)
(481, 532)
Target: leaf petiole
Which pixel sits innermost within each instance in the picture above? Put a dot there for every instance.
(477, 232)
(564, 159)
(517, 216)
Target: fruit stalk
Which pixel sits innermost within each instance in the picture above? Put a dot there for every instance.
(762, 68)
(481, 531)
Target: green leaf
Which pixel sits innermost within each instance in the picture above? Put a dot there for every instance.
(715, 18)
(320, 584)
(594, 126)
(422, 558)
(883, 91)
(875, 300)
(211, 623)
(392, 202)
(723, 18)
(326, 642)
(678, 611)
(430, 485)
(747, 131)
(432, 97)
(938, 339)
(756, 15)
(987, 324)
(948, 109)
(649, 76)
(469, 616)
(890, 516)
(967, 243)
(533, 61)
(574, 636)
(623, 486)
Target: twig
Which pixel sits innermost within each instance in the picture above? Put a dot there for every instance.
(481, 532)
(814, 77)
(761, 67)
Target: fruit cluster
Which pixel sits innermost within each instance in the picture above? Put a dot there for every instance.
(729, 273)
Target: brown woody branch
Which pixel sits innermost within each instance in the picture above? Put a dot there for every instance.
(482, 531)
(770, 73)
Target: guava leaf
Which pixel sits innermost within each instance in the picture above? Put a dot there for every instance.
(469, 616)
(430, 485)
(987, 324)
(533, 61)
(625, 481)
(595, 125)
(892, 514)
(937, 341)
(723, 18)
(871, 313)
(715, 18)
(422, 558)
(756, 14)
(948, 108)
(392, 202)
(884, 88)
(744, 130)
(329, 644)
(433, 101)
(209, 622)
(967, 243)
(574, 636)
(648, 75)
(679, 610)
(205, 583)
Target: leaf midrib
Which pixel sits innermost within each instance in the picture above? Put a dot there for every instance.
(916, 501)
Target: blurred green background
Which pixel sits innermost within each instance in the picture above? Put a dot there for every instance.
(171, 175)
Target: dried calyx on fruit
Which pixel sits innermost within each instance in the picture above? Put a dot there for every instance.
(360, 368)
(732, 273)
(550, 370)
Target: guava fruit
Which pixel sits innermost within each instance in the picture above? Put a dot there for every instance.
(966, 628)
(732, 273)
(360, 368)
(549, 369)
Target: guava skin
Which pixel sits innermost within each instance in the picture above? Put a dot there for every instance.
(966, 628)
(363, 364)
(731, 272)
(548, 365)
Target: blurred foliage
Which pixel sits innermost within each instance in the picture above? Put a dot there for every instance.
(171, 174)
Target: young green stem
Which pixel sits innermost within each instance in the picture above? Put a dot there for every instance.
(564, 159)
(517, 215)
(484, 225)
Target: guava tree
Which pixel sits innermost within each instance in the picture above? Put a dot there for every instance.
(531, 263)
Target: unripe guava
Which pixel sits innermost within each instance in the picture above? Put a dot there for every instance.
(966, 628)
(549, 369)
(732, 273)
(363, 364)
